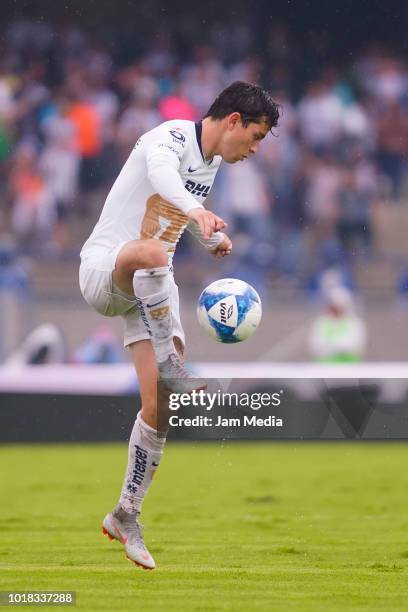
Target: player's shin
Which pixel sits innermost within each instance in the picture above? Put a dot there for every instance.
(145, 451)
(151, 288)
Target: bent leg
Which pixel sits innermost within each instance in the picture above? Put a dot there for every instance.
(152, 288)
(137, 255)
(153, 401)
(141, 269)
(146, 442)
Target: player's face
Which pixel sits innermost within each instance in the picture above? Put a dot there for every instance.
(240, 142)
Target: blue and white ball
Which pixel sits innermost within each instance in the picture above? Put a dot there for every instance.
(229, 310)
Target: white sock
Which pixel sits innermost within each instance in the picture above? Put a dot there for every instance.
(145, 451)
(151, 288)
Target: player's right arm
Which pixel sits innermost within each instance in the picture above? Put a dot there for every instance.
(163, 159)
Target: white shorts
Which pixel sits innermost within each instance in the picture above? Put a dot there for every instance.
(99, 290)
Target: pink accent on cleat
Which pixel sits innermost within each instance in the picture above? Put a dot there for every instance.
(139, 564)
(105, 532)
(126, 529)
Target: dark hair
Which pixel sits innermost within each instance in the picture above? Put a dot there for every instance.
(252, 102)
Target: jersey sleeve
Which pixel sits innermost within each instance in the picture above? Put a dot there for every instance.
(163, 157)
(210, 243)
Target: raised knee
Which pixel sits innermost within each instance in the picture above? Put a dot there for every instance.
(148, 253)
(154, 253)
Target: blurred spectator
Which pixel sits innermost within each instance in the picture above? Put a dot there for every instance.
(33, 212)
(280, 159)
(354, 226)
(249, 69)
(392, 135)
(100, 347)
(320, 116)
(7, 87)
(139, 117)
(331, 272)
(387, 79)
(289, 218)
(88, 133)
(202, 80)
(13, 272)
(44, 345)
(161, 60)
(247, 208)
(323, 174)
(402, 284)
(231, 39)
(176, 106)
(5, 142)
(338, 334)
(84, 99)
(15, 295)
(30, 98)
(59, 166)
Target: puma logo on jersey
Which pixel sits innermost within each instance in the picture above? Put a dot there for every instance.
(197, 188)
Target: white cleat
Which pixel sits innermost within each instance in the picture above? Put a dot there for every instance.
(122, 526)
(177, 378)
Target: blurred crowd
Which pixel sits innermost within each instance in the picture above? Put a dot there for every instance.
(72, 105)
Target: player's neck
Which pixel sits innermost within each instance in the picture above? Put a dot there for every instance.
(210, 138)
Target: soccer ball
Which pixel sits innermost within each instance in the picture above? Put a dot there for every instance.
(229, 310)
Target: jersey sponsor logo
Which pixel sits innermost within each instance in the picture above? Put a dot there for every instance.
(190, 169)
(197, 189)
(167, 146)
(177, 135)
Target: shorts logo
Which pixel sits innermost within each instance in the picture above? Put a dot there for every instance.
(177, 135)
(160, 313)
(197, 189)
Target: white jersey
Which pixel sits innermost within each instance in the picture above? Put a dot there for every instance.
(164, 177)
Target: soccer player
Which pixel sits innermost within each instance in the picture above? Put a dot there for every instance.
(126, 265)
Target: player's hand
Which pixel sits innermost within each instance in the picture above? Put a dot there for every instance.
(207, 221)
(223, 249)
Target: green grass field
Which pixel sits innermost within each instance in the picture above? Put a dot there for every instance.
(237, 526)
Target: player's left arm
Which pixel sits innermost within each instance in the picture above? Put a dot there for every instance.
(219, 244)
(223, 248)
